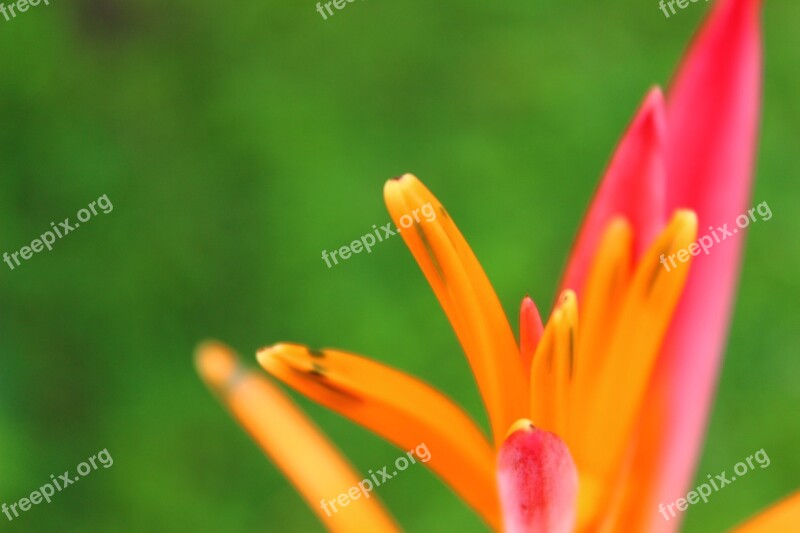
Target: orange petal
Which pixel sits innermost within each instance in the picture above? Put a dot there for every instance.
(553, 367)
(300, 450)
(468, 300)
(538, 481)
(603, 296)
(542, 395)
(398, 407)
(783, 516)
(606, 414)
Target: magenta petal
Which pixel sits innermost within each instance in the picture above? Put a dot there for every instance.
(712, 113)
(633, 186)
(538, 482)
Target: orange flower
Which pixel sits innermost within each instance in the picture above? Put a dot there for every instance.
(577, 375)
(597, 414)
(583, 391)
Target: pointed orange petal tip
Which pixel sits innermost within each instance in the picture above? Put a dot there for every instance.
(396, 183)
(263, 354)
(216, 364)
(538, 481)
(685, 221)
(295, 356)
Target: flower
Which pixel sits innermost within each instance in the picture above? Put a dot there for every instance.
(597, 415)
(577, 375)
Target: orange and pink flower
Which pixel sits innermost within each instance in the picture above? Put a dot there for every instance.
(598, 415)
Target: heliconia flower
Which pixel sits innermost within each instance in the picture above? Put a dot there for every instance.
(598, 414)
(577, 375)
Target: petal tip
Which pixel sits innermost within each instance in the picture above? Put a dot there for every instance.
(652, 115)
(686, 218)
(523, 424)
(398, 181)
(216, 363)
(268, 354)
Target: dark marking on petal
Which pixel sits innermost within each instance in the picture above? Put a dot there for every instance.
(317, 374)
(313, 352)
(657, 270)
(317, 370)
(429, 249)
(571, 349)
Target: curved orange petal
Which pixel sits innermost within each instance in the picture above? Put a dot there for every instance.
(606, 410)
(553, 366)
(604, 293)
(468, 300)
(398, 407)
(297, 447)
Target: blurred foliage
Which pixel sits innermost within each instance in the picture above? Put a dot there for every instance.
(237, 141)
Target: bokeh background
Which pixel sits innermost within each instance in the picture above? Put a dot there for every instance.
(236, 141)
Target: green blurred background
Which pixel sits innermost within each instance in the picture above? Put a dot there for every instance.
(237, 141)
